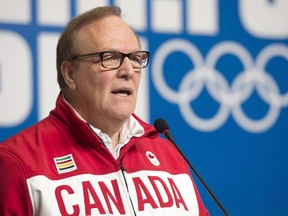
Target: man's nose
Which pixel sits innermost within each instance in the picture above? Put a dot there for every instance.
(126, 69)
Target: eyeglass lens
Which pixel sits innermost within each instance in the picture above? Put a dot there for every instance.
(112, 60)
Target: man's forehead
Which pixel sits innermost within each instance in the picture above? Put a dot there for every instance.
(103, 32)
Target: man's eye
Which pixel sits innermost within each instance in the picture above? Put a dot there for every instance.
(137, 59)
(111, 56)
(108, 57)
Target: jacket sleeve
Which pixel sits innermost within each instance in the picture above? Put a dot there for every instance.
(14, 195)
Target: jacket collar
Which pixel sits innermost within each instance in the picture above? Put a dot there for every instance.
(80, 130)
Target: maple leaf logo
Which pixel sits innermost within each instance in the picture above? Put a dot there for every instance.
(152, 158)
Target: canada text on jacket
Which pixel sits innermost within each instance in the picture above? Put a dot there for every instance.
(87, 194)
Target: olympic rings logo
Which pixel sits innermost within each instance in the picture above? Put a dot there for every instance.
(230, 98)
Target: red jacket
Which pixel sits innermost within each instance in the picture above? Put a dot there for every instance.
(60, 167)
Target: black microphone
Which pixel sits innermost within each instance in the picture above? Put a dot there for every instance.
(163, 128)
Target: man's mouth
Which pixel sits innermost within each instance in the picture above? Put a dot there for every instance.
(122, 92)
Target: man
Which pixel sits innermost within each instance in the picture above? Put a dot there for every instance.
(92, 155)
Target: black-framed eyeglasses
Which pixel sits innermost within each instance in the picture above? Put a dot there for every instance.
(113, 59)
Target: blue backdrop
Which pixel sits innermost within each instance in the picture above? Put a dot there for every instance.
(218, 75)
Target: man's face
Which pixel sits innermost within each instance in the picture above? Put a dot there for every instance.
(99, 92)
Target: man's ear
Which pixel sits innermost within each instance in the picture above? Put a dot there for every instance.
(68, 74)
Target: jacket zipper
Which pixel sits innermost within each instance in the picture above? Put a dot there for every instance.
(122, 171)
(127, 188)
